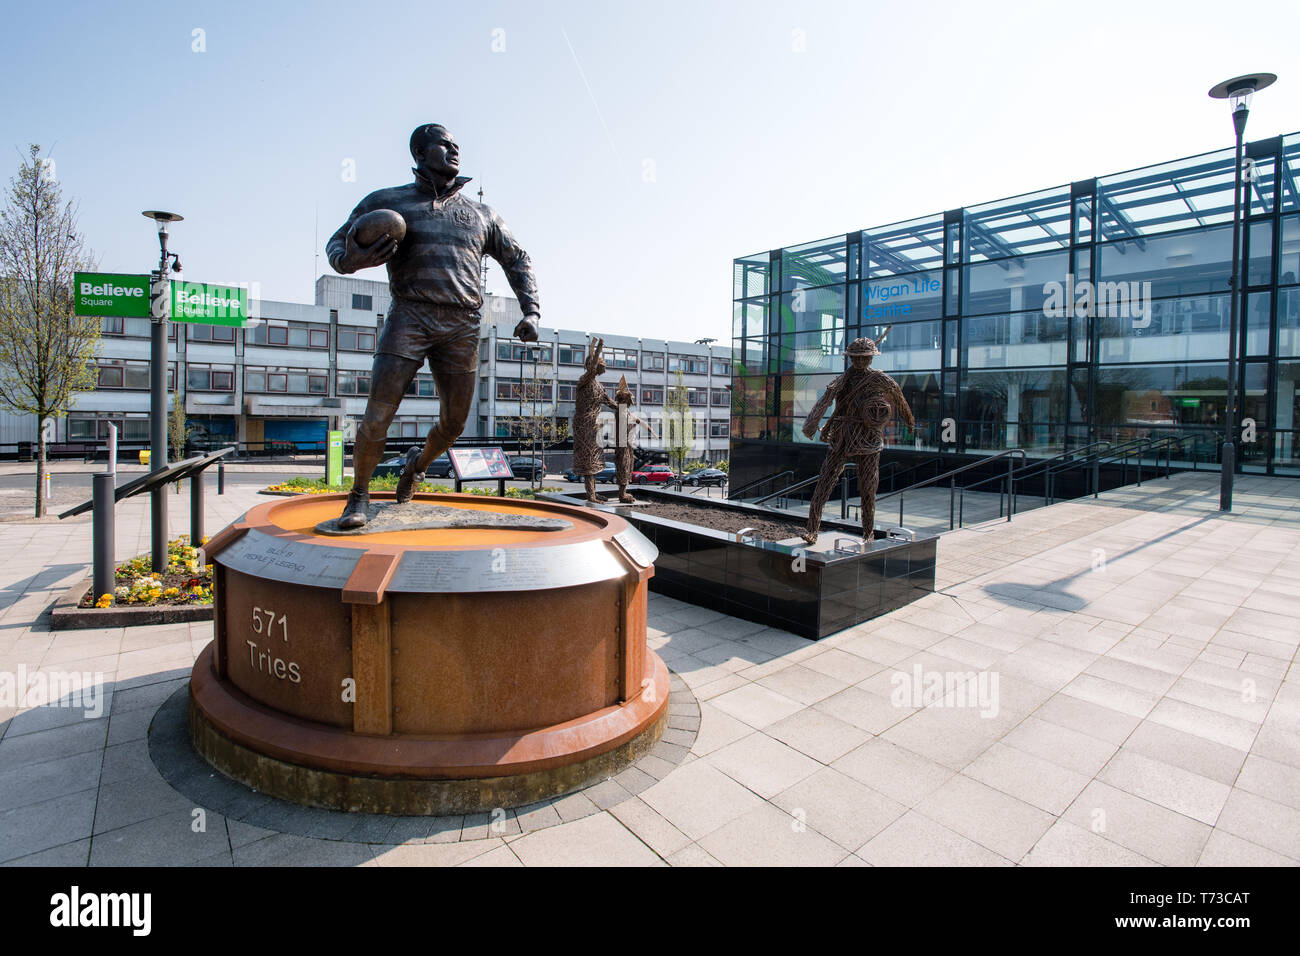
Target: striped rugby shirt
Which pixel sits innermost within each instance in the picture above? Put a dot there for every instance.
(447, 236)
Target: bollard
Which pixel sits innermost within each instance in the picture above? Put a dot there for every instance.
(196, 509)
(221, 476)
(102, 533)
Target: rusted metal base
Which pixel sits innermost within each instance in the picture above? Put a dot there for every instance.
(432, 670)
(421, 775)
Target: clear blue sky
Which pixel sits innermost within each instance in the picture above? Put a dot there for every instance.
(759, 136)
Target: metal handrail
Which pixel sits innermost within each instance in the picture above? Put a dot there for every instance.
(1138, 446)
(937, 459)
(955, 471)
(1123, 450)
(1029, 467)
(737, 492)
(952, 484)
(797, 486)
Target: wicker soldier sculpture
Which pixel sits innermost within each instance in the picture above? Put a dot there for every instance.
(625, 426)
(588, 399)
(434, 263)
(865, 402)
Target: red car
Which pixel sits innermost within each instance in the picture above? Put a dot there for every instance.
(654, 475)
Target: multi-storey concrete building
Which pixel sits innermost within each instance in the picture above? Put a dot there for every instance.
(299, 369)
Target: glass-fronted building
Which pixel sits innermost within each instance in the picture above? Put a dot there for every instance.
(1097, 310)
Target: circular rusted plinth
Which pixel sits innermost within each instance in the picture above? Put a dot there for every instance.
(387, 792)
(428, 671)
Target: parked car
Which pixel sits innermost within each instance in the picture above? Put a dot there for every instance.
(529, 468)
(707, 476)
(654, 475)
(572, 475)
(440, 467)
(606, 475)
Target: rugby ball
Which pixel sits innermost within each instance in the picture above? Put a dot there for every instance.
(373, 226)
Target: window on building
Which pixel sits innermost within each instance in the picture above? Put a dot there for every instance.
(620, 358)
(572, 354)
(81, 429)
(720, 397)
(124, 373)
(565, 392)
(112, 325)
(422, 387)
(362, 302)
(652, 396)
(355, 340)
(211, 333)
(318, 338)
(209, 378)
(722, 368)
(688, 364)
(719, 429)
(697, 396)
(134, 429)
(353, 383)
(656, 361)
(516, 352)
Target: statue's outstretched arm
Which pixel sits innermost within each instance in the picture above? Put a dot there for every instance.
(814, 419)
(900, 402)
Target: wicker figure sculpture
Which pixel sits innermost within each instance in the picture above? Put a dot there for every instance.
(866, 400)
(589, 398)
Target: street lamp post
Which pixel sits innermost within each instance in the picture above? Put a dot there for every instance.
(1238, 92)
(158, 386)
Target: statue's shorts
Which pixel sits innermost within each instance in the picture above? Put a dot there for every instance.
(446, 335)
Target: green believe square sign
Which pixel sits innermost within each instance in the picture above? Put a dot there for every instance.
(207, 304)
(109, 293)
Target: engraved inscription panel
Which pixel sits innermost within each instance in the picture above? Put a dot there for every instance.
(289, 647)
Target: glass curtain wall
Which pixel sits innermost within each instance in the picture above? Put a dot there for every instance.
(1095, 311)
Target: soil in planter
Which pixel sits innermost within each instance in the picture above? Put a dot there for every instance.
(721, 519)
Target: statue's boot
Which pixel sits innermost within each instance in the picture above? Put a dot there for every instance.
(411, 478)
(354, 512)
(590, 482)
(624, 497)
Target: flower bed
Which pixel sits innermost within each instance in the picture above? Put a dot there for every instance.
(185, 582)
(299, 485)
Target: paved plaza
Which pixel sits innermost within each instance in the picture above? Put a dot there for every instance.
(1102, 682)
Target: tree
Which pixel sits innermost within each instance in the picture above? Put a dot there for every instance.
(679, 424)
(176, 428)
(536, 424)
(46, 352)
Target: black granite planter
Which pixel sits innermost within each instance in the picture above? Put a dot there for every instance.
(812, 594)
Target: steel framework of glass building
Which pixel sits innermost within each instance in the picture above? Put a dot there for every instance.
(1094, 311)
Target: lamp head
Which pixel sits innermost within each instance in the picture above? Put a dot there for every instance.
(162, 218)
(1239, 90)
